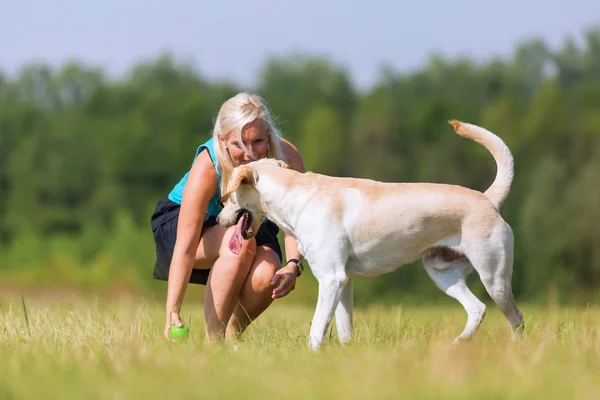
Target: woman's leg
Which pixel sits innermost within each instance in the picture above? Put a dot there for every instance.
(227, 275)
(256, 291)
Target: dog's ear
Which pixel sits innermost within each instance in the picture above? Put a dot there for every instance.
(245, 176)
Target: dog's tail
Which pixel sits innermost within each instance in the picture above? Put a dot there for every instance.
(499, 189)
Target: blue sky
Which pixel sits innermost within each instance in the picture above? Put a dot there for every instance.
(232, 40)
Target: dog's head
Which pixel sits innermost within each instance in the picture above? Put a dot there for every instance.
(243, 203)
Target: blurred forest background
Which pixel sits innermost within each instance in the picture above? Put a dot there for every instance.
(84, 159)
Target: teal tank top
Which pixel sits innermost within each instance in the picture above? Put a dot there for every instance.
(214, 205)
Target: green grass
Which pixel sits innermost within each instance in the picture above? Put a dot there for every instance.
(96, 348)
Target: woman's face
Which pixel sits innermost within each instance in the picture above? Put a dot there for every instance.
(254, 136)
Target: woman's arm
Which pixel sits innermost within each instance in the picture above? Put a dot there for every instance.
(294, 160)
(200, 187)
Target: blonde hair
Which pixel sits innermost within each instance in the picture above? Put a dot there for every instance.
(234, 114)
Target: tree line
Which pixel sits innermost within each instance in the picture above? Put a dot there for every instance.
(84, 158)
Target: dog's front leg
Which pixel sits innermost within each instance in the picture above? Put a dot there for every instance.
(330, 289)
(343, 314)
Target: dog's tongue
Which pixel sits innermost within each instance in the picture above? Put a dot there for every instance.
(235, 243)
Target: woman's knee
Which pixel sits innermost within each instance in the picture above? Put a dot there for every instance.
(214, 246)
(264, 268)
(261, 277)
(247, 253)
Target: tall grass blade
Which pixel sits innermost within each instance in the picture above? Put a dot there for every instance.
(25, 313)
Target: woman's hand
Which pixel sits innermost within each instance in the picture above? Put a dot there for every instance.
(285, 279)
(173, 318)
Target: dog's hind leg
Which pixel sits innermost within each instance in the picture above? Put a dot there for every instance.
(343, 314)
(450, 277)
(330, 290)
(495, 267)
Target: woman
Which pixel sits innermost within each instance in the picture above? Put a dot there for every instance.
(192, 248)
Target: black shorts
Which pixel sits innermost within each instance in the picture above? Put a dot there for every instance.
(164, 227)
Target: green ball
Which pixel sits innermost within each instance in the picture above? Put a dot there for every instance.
(177, 332)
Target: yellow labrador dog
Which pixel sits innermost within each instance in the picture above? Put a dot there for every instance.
(350, 228)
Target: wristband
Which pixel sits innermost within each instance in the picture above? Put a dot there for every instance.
(299, 267)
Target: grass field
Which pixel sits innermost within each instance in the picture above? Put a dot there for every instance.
(76, 348)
